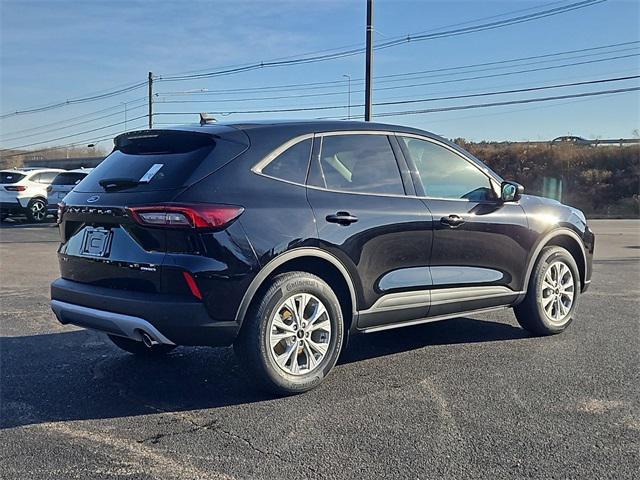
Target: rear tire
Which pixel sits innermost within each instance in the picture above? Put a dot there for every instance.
(292, 336)
(552, 294)
(139, 348)
(37, 210)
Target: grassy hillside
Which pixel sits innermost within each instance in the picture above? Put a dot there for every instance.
(601, 181)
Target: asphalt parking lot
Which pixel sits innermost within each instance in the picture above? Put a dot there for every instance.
(464, 398)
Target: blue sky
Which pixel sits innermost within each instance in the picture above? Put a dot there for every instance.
(56, 50)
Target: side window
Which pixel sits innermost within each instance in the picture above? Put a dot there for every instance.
(359, 163)
(291, 164)
(445, 174)
(47, 177)
(44, 177)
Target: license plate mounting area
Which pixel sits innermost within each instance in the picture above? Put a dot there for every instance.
(96, 242)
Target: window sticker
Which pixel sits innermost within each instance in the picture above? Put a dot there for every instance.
(155, 168)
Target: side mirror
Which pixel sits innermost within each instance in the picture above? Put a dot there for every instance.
(511, 191)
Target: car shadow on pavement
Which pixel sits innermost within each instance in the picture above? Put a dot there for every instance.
(80, 375)
(443, 332)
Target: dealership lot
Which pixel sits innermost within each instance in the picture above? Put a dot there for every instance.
(470, 397)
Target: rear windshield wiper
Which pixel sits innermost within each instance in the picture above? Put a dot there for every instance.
(118, 183)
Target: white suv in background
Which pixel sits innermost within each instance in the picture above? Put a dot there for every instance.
(63, 184)
(24, 191)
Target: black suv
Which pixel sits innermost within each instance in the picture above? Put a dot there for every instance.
(282, 238)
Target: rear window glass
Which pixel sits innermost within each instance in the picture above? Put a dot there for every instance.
(10, 177)
(161, 161)
(68, 178)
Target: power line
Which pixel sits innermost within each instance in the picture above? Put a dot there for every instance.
(526, 109)
(91, 98)
(40, 131)
(517, 72)
(490, 26)
(335, 49)
(332, 107)
(334, 93)
(413, 112)
(512, 102)
(74, 144)
(381, 78)
(70, 119)
(392, 42)
(505, 92)
(64, 127)
(422, 100)
(72, 135)
(420, 36)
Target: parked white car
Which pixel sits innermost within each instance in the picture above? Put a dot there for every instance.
(63, 184)
(24, 191)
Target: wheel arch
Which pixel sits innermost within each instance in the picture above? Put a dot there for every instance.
(312, 260)
(25, 201)
(567, 239)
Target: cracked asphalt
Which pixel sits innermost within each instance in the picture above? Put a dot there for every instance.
(473, 397)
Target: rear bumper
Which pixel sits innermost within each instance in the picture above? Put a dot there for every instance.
(108, 322)
(169, 319)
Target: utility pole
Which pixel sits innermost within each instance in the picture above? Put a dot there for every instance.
(369, 63)
(150, 100)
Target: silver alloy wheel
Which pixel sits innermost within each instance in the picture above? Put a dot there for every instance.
(299, 334)
(558, 291)
(38, 210)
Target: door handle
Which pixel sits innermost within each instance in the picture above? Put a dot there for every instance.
(452, 220)
(342, 218)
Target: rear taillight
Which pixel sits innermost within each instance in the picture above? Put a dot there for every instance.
(179, 215)
(15, 188)
(61, 208)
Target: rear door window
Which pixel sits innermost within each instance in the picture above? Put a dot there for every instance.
(10, 177)
(359, 163)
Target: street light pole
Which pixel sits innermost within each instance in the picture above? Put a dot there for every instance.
(369, 63)
(349, 103)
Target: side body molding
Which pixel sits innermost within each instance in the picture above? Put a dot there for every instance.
(283, 258)
(543, 242)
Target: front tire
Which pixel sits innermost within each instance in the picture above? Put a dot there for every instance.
(293, 334)
(139, 348)
(552, 294)
(37, 210)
